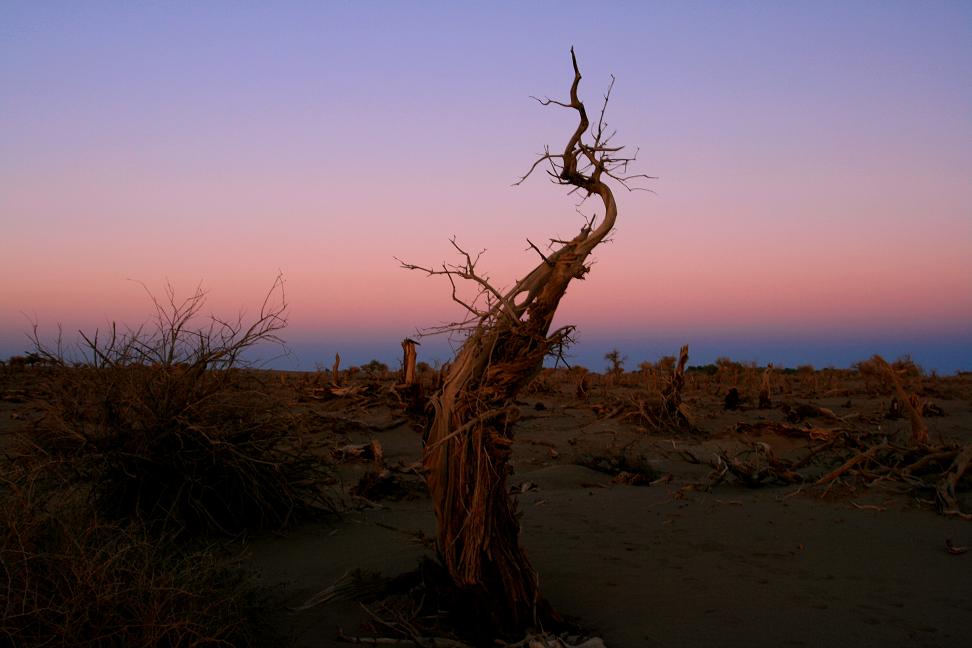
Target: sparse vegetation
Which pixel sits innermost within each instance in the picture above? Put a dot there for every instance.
(164, 425)
(617, 362)
(832, 443)
(70, 578)
(150, 441)
(375, 370)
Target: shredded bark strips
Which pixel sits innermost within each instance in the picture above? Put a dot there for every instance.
(469, 440)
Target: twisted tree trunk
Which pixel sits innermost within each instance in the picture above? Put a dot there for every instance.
(469, 442)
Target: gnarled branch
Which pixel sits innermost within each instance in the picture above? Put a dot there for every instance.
(469, 440)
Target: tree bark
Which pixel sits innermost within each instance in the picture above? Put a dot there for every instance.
(408, 361)
(469, 441)
(336, 370)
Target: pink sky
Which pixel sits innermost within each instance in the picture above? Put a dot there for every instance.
(812, 164)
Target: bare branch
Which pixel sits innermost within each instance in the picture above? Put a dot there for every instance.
(546, 101)
(468, 443)
(542, 255)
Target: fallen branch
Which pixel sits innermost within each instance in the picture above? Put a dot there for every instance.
(947, 487)
(864, 456)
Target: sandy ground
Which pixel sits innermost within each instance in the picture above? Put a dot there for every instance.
(667, 564)
(671, 564)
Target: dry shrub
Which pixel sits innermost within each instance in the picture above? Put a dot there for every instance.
(166, 428)
(907, 368)
(647, 369)
(807, 376)
(662, 408)
(874, 371)
(728, 371)
(666, 365)
(581, 378)
(617, 361)
(68, 578)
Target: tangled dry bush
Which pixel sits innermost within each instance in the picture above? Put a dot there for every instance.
(167, 426)
(880, 376)
(657, 404)
(69, 578)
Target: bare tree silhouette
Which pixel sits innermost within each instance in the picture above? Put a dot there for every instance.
(469, 441)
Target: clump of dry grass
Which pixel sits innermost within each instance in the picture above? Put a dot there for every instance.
(166, 425)
(70, 578)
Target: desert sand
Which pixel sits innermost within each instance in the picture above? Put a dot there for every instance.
(678, 562)
(639, 534)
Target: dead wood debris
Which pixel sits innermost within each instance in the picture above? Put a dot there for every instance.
(948, 484)
(371, 451)
(625, 467)
(954, 550)
(849, 460)
(788, 430)
(15, 396)
(659, 411)
(800, 411)
(421, 608)
(531, 641)
(344, 424)
(910, 402)
(422, 642)
(354, 585)
(925, 408)
(332, 392)
(381, 482)
(524, 487)
(390, 484)
(655, 414)
(939, 469)
(753, 468)
(631, 479)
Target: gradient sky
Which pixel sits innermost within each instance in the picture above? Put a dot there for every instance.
(813, 201)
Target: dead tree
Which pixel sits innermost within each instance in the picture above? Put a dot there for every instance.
(469, 441)
(409, 355)
(336, 370)
(919, 430)
(672, 394)
(764, 400)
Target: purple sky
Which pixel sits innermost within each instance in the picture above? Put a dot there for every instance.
(813, 201)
